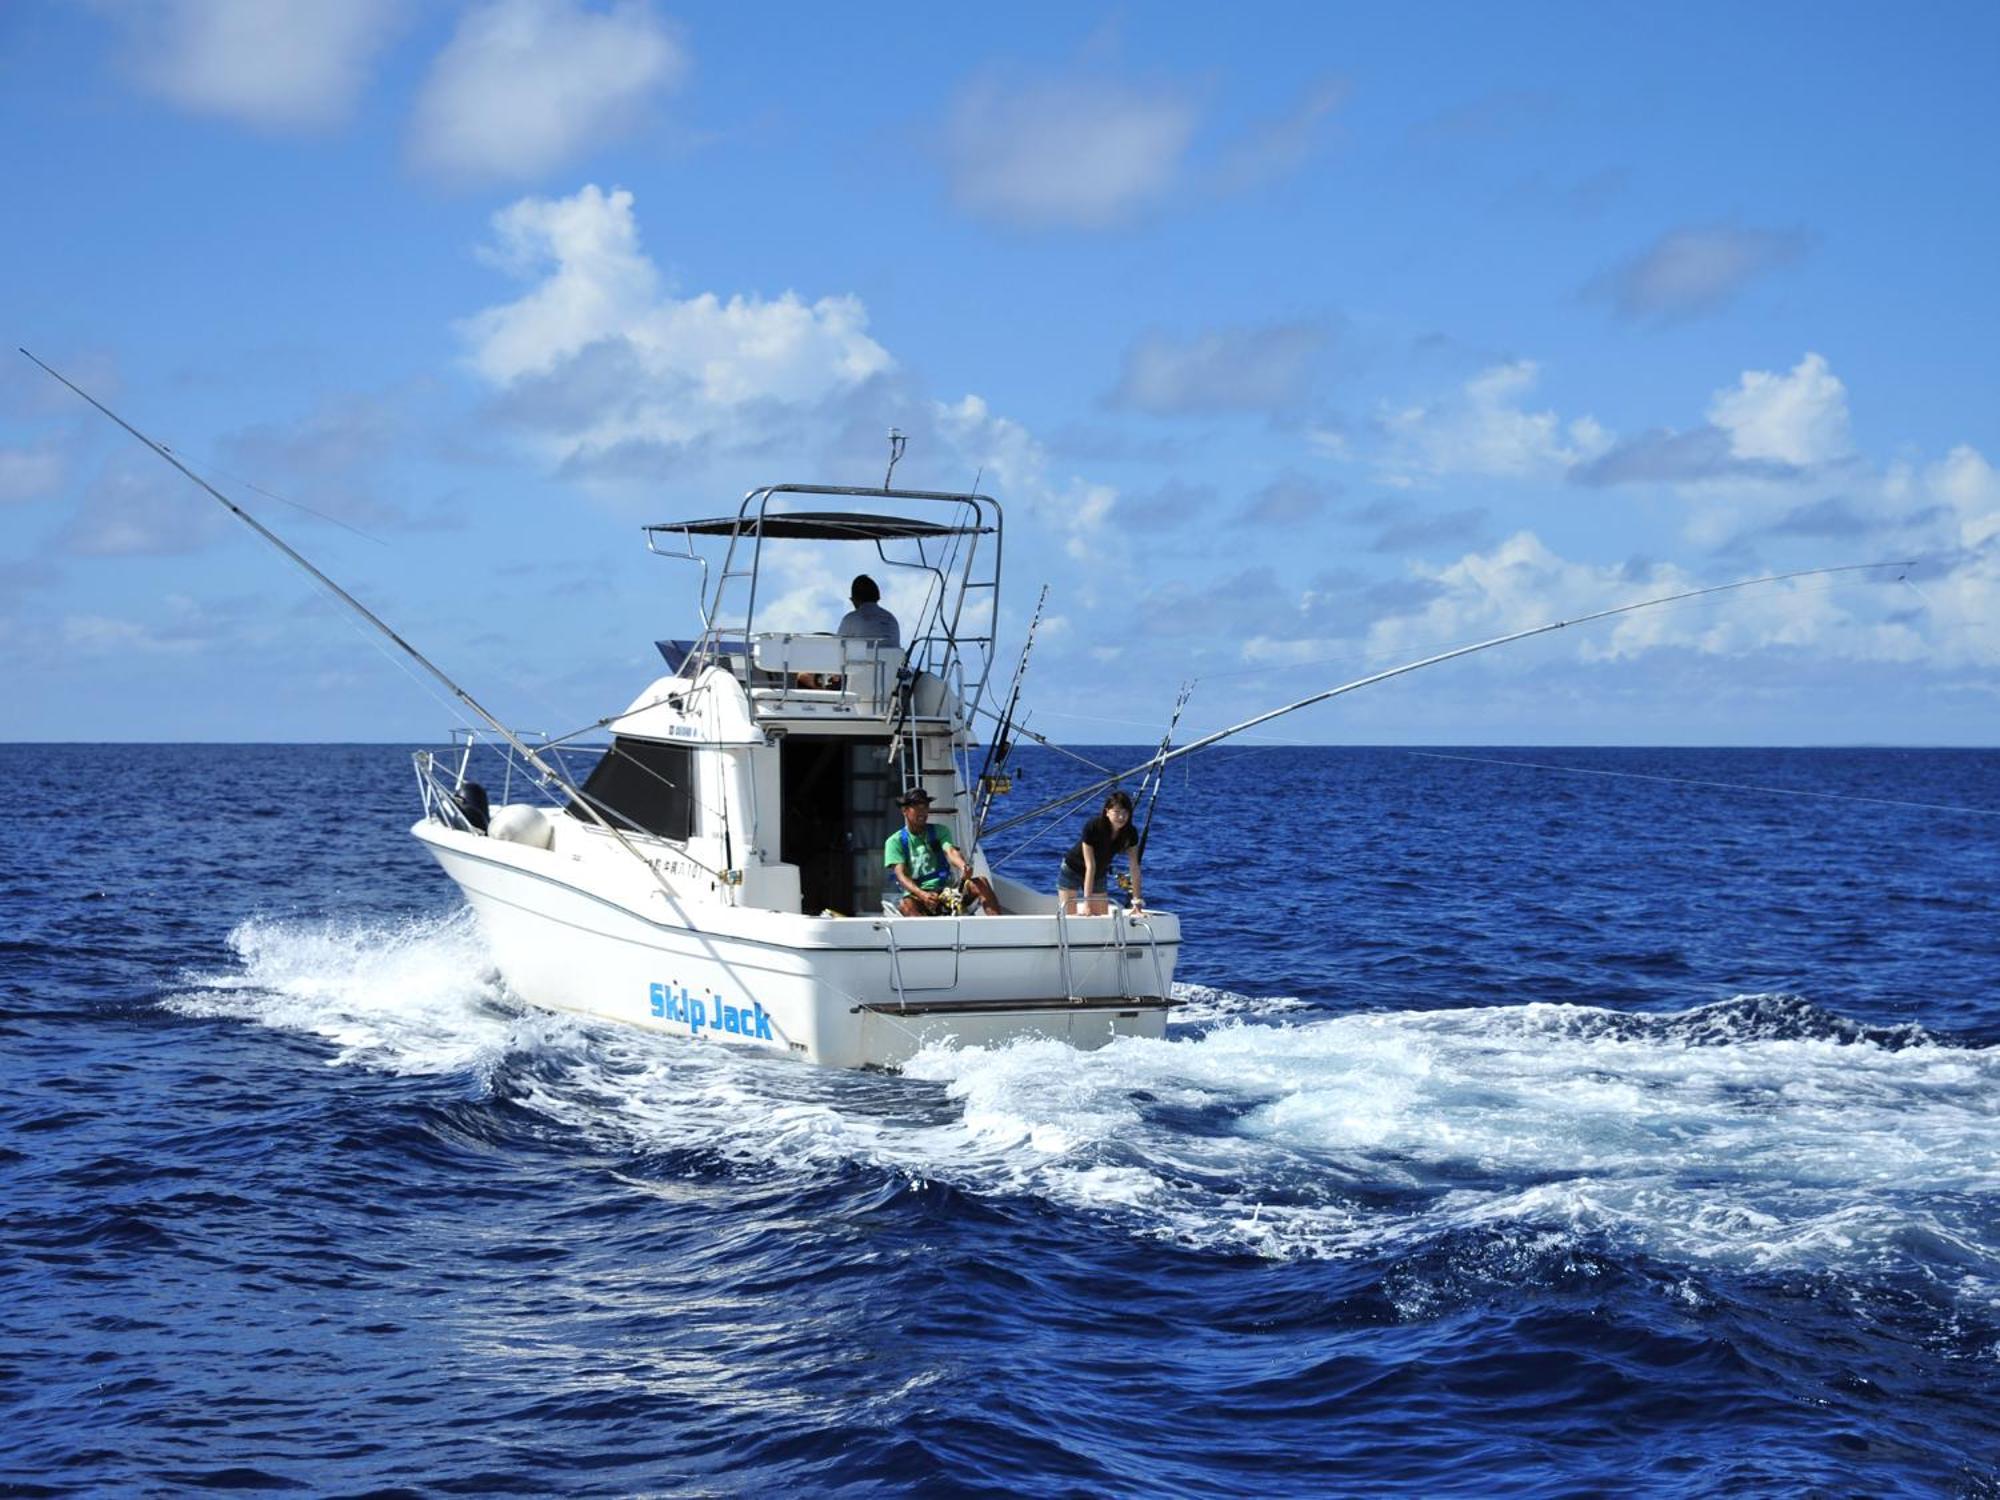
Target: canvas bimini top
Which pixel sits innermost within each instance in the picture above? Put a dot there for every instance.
(821, 526)
(756, 518)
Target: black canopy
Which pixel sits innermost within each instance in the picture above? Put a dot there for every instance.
(819, 526)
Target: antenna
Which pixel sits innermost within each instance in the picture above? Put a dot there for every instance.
(897, 442)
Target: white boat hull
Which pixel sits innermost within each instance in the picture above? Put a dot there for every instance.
(847, 992)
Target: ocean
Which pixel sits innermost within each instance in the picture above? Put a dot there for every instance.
(1537, 1122)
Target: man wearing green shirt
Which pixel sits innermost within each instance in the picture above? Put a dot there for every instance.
(921, 857)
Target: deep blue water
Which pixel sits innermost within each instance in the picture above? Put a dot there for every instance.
(1526, 1132)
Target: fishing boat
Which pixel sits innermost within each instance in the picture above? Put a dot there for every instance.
(719, 870)
(719, 873)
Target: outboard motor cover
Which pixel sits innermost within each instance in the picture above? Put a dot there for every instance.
(472, 802)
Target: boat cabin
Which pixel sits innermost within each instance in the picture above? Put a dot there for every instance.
(772, 757)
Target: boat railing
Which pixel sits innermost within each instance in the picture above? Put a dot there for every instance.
(1062, 950)
(951, 633)
(1144, 920)
(791, 670)
(476, 755)
(440, 792)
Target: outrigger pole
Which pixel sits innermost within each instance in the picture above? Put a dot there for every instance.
(519, 745)
(1161, 758)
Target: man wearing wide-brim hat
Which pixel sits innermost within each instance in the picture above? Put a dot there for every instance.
(922, 859)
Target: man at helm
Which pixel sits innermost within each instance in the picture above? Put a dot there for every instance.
(868, 620)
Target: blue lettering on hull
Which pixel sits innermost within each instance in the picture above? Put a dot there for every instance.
(669, 1003)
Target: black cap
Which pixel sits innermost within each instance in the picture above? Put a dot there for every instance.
(864, 590)
(913, 796)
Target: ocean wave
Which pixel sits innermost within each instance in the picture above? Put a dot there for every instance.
(1759, 1133)
(417, 996)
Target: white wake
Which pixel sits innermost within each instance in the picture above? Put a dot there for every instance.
(1759, 1133)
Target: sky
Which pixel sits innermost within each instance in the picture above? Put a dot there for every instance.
(1297, 341)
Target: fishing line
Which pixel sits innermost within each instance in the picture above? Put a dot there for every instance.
(1035, 838)
(436, 673)
(1045, 742)
(209, 466)
(1405, 668)
(1055, 713)
(1942, 617)
(429, 689)
(1732, 786)
(1362, 658)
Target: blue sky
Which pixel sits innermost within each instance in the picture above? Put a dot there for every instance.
(1297, 341)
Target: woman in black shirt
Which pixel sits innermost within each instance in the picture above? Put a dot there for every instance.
(1087, 866)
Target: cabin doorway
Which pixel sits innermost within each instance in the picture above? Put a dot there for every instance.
(837, 815)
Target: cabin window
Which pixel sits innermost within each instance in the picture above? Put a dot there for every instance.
(645, 787)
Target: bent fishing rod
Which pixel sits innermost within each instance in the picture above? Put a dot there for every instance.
(514, 741)
(1161, 759)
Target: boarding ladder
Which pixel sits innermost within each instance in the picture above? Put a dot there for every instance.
(1122, 923)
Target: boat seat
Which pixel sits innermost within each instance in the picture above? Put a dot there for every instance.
(821, 652)
(855, 670)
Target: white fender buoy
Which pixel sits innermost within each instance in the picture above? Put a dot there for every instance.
(522, 823)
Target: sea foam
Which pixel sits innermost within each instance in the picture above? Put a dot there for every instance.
(1758, 1133)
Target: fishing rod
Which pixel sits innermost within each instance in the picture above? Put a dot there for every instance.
(1156, 775)
(1153, 780)
(992, 779)
(1041, 739)
(1161, 759)
(520, 747)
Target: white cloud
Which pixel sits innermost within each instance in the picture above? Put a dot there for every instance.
(1691, 271)
(28, 473)
(1959, 611)
(1267, 368)
(103, 635)
(1515, 586)
(1799, 418)
(1018, 466)
(1080, 150)
(688, 369)
(601, 358)
(134, 508)
(1286, 143)
(1966, 482)
(177, 625)
(524, 86)
(1769, 435)
(599, 281)
(1521, 583)
(1484, 429)
(1065, 152)
(1765, 434)
(807, 587)
(299, 64)
(1331, 441)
